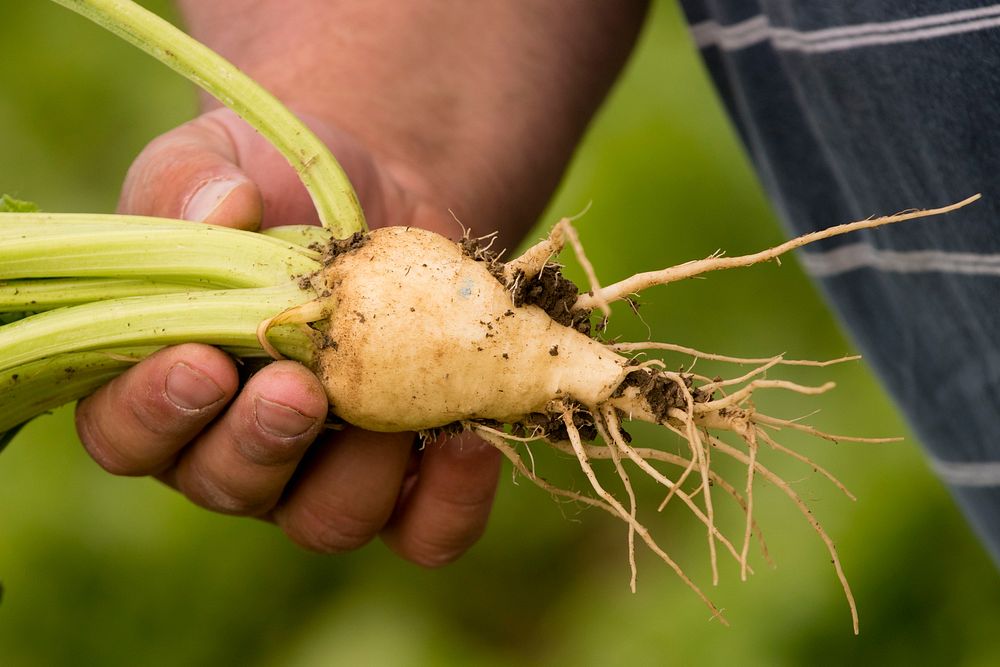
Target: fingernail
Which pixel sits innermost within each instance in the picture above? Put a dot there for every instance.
(208, 198)
(190, 389)
(281, 420)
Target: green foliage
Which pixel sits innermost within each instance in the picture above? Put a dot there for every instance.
(108, 571)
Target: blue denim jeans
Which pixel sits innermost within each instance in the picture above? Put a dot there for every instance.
(875, 107)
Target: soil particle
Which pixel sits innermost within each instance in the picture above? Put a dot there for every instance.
(552, 425)
(550, 291)
(474, 249)
(660, 392)
(337, 247)
(325, 341)
(451, 430)
(554, 294)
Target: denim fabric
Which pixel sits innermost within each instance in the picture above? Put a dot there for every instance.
(853, 109)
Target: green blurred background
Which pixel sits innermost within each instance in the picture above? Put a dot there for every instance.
(111, 571)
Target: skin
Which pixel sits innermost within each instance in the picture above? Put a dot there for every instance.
(435, 108)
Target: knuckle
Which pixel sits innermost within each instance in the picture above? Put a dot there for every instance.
(269, 451)
(153, 148)
(213, 494)
(154, 418)
(438, 545)
(433, 554)
(332, 532)
(174, 158)
(102, 447)
(468, 502)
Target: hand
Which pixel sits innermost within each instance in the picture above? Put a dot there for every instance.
(260, 450)
(468, 107)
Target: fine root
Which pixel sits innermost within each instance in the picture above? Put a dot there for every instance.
(694, 407)
(694, 419)
(642, 281)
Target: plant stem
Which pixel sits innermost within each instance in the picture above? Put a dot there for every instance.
(223, 318)
(37, 387)
(307, 236)
(66, 245)
(29, 390)
(35, 296)
(331, 191)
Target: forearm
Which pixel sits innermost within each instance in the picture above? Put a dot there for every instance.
(478, 105)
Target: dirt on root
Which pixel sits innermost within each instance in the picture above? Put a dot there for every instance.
(550, 290)
(553, 293)
(337, 247)
(474, 249)
(552, 426)
(661, 393)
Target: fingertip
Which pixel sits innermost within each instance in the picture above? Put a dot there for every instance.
(192, 173)
(136, 423)
(228, 201)
(293, 385)
(210, 361)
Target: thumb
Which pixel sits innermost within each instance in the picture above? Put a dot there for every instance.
(191, 173)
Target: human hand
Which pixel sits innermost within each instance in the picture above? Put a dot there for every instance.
(260, 450)
(467, 107)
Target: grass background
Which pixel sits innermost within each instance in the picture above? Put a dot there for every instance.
(110, 571)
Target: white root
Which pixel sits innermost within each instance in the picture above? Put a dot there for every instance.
(751, 441)
(710, 387)
(729, 413)
(642, 281)
(804, 459)
(475, 358)
(701, 455)
(783, 423)
(596, 452)
(806, 512)
(588, 268)
(306, 313)
(627, 484)
(737, 397)
(574, 438)
(531, 262)
(504, 448)
(697, 354)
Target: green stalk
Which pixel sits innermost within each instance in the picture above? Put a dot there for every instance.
(332, 194)
(29, 390)
(222, 318)
(34, 296)
(37, 387)
(64, 245)
(306, 236)
(67, 245)
(114, 289)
